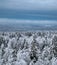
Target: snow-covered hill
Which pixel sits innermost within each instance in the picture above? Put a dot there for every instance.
(28, 48)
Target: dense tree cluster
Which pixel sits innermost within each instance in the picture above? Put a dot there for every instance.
(28, 48)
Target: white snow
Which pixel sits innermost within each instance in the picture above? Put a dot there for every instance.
(22, 48)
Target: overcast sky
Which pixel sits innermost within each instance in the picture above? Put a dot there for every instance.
(43, 9)
(27, 12)
(29, 4)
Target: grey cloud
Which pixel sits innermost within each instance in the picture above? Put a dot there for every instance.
(29, 4)
(6, 20)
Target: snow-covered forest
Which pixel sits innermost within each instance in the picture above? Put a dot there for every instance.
(28, 48)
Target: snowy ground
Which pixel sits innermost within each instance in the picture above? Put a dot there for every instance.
(28, 48)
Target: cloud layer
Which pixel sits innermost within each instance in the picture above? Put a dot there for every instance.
(29, 4)
(6, 20)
